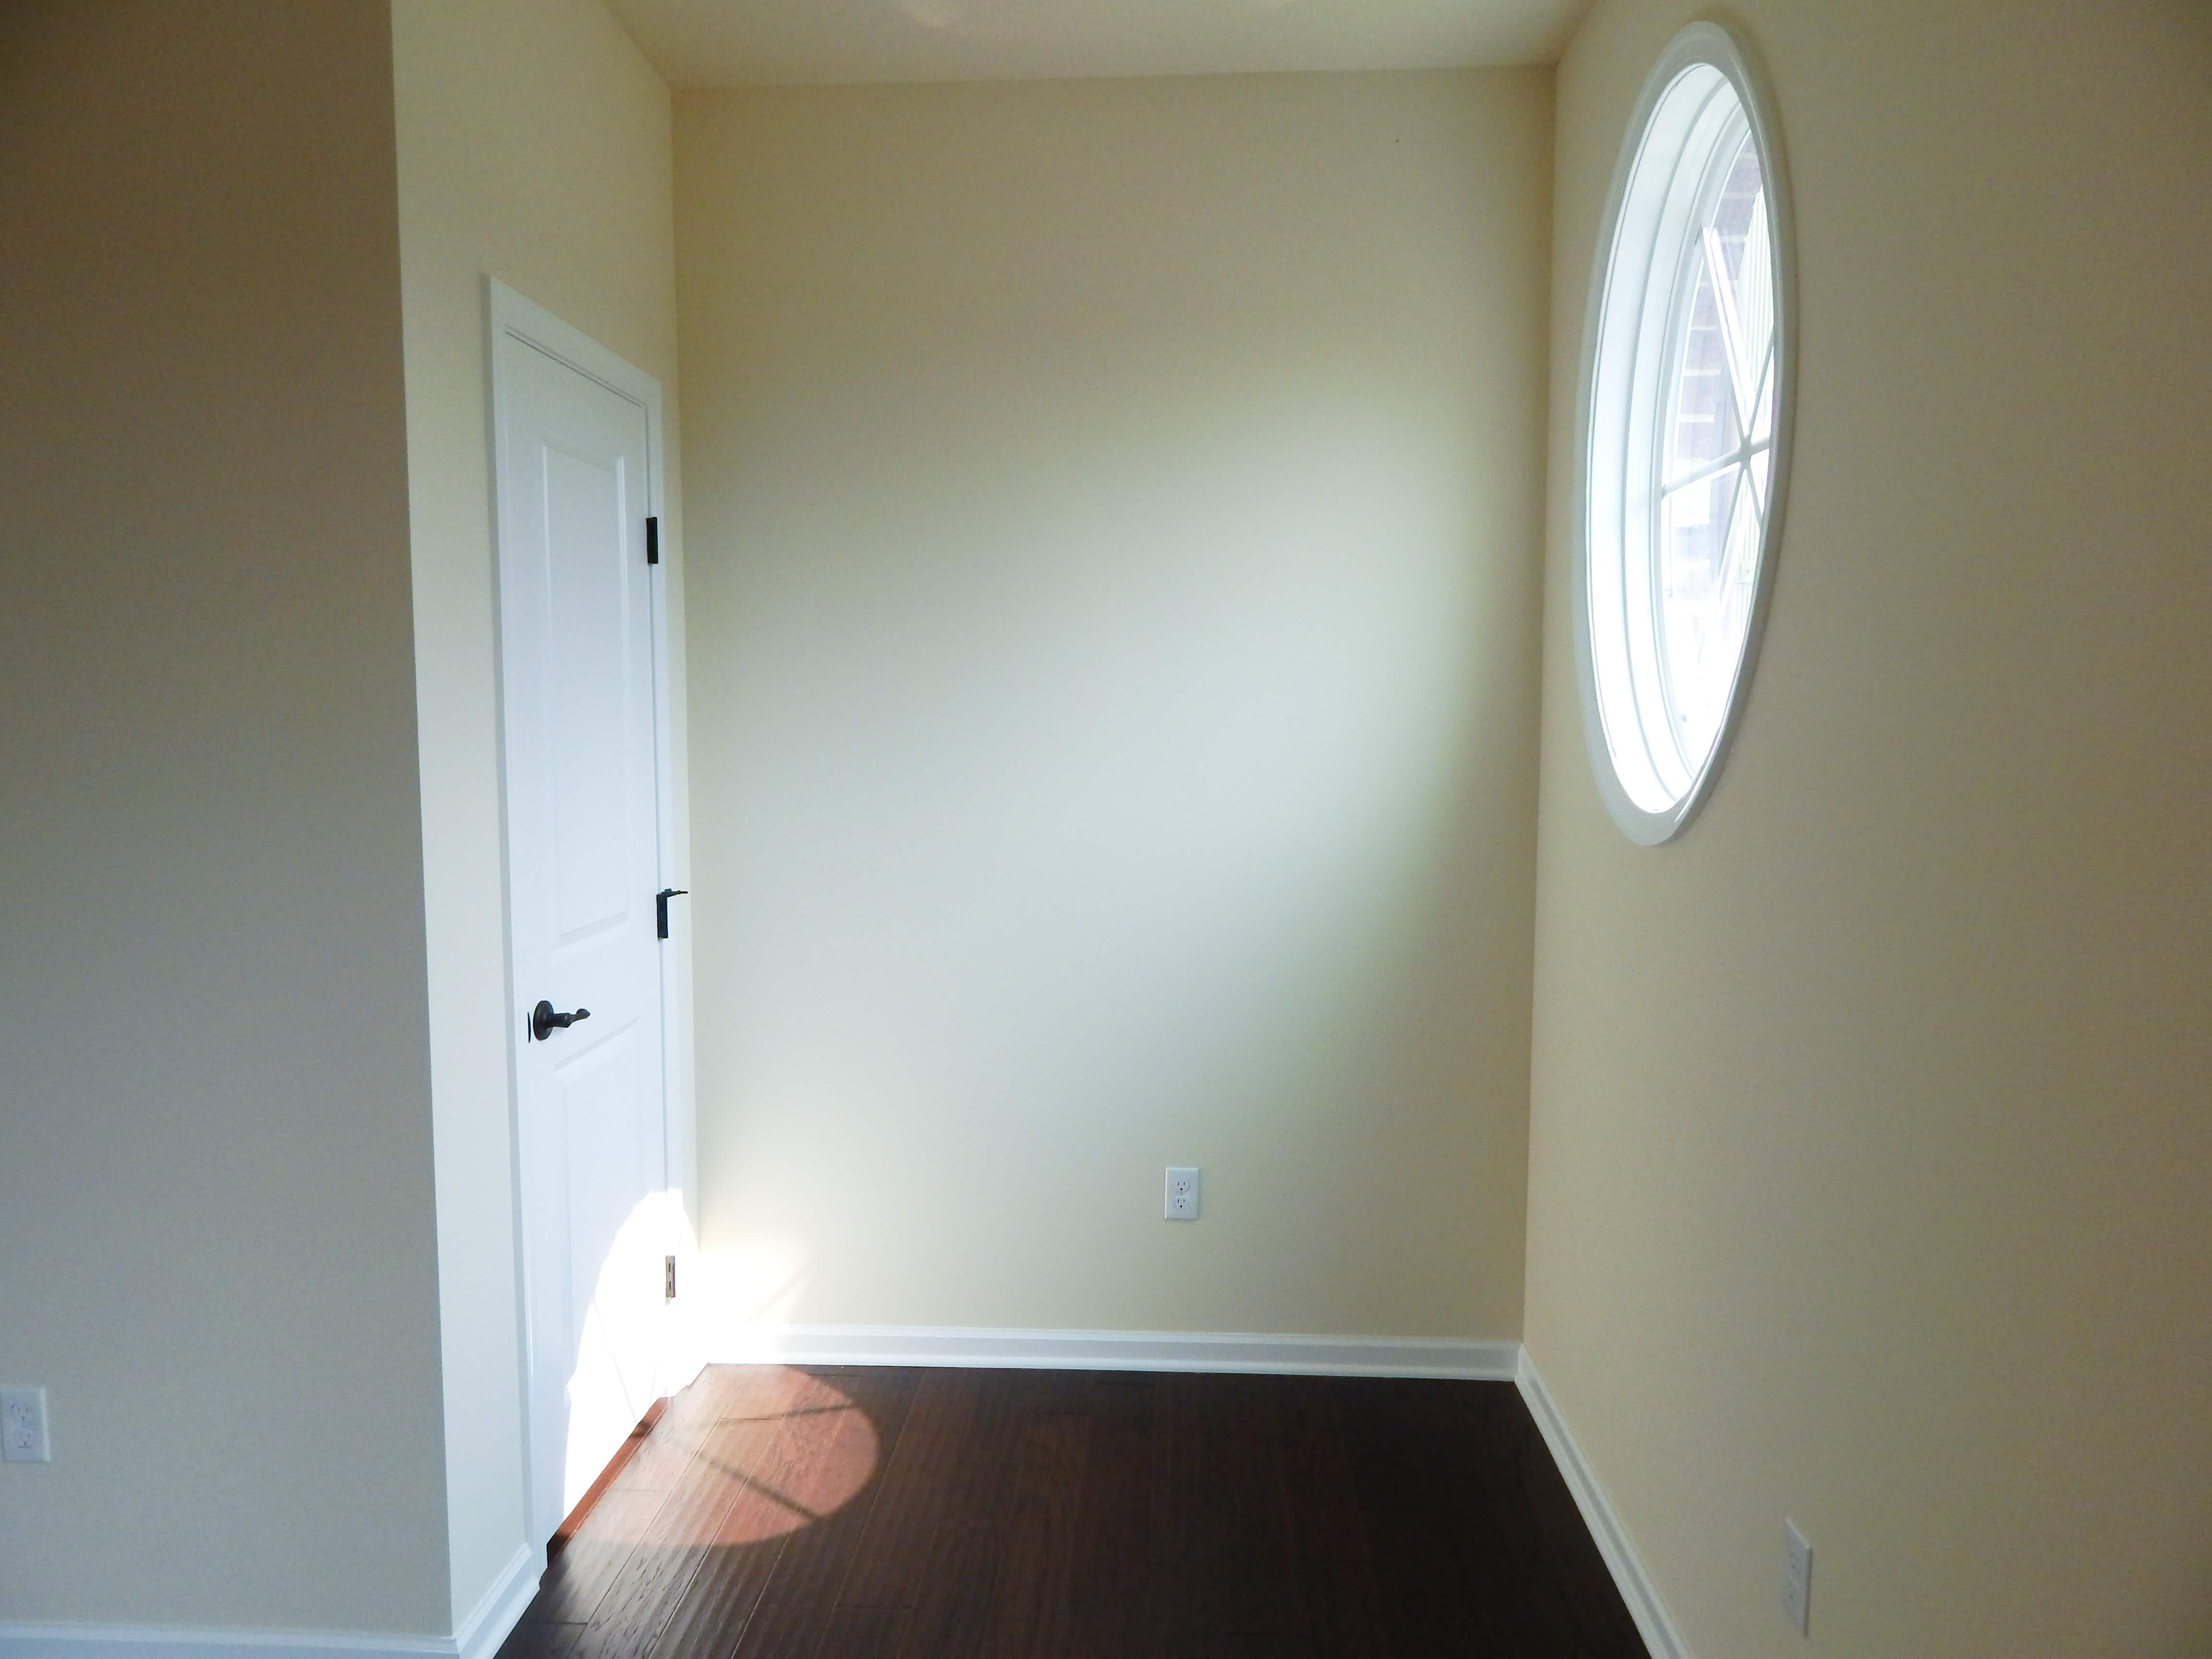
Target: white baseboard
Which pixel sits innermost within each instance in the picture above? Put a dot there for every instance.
(1120, 1350)
(1644, 1605)
(206, 1642)
(479, 1636)
(501, 1607)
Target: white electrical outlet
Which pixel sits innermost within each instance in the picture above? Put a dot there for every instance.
(23, 1426)
(1182, 1194)
(1797, 1579)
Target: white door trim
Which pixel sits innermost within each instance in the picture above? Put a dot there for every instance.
(509, 314)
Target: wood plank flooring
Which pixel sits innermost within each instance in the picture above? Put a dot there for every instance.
(879, 1513)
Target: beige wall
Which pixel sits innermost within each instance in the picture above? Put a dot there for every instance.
(1115, 509)
(533, 146)
(215, 1126)
(1871, 1136)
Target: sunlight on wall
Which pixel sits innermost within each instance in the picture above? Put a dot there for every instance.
(734, 1302)
(749, 1290)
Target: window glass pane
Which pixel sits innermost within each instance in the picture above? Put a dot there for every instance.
(1700, 616)
(1709, 533)
(1738, 224)
(1762, 423)
(1704, 408)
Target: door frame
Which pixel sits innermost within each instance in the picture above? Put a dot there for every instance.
(508, 314)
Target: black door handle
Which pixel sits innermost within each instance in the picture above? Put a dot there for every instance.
(544, 1021)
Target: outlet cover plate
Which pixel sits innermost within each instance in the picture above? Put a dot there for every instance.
(23, 1426)
(1797, 1579)
(1182, 1194)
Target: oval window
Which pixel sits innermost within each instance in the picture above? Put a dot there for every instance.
(1685, 433)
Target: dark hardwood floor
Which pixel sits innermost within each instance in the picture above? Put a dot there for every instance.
(871, 1513)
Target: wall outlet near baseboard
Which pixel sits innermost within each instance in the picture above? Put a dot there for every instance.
(1797, 1578)
(1182, 1194)
(23, 1426)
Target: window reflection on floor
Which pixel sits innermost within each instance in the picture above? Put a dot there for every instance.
(775, 1452)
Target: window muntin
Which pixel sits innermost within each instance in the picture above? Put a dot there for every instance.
(1685, 418)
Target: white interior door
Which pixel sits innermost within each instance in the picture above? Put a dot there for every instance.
(583, 792)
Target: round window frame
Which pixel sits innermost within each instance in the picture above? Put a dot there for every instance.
(1717, 46)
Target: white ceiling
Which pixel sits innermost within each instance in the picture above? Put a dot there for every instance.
(711, 43)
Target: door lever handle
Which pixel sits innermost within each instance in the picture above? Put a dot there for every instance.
(544, 1020)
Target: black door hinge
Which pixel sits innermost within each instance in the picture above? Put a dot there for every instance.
(652, 553)
(660, 906)
(668, 1282)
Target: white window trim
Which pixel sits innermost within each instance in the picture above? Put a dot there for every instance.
(1721, 47)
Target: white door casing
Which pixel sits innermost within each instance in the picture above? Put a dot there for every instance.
(576, 435)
